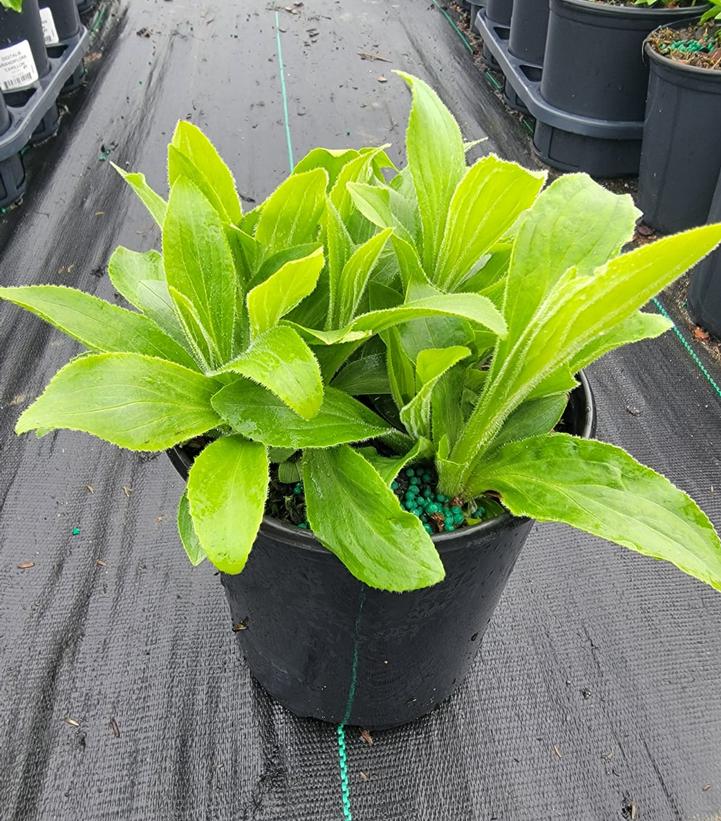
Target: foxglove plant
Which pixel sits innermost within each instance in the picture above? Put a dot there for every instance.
(218, 347)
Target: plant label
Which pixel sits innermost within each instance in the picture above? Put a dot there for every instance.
(50, 33)
(17, 67)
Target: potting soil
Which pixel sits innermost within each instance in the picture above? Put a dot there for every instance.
(122, 694)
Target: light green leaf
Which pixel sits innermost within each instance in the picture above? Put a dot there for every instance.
(389, 467)
(199, 266)
(361, 169)
(133, 401)
(485, 205)
(533, 418)
(140, 279)
(637, 327)
(437, 160)
(475, 308)
(291, 215)
(331, 159)
(281, 361)
(281, 292)
(246, 252)
(599, 488)
(401, 373)
(579, 309)
(15, 5)
(188, 537)
(364, 376)
(155, 204)
(574, 223)
(227, 489)
(211, 175)
(261, 416)
(374, 202)
(356, 516)
(431, 365)
(97, 324)
(347, 289)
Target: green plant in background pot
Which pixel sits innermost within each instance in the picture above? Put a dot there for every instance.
(381, 359)
(15, 5)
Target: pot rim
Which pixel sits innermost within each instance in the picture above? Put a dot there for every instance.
(443, 541)
(652, 54)
(632, 11)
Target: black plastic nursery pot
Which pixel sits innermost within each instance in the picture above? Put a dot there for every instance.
(529, 28)
(594, 70)
(499, 12)
(680, 160)
(704, 295)
(61, 21)
(23, 59)
(12, 168)
(328, 647)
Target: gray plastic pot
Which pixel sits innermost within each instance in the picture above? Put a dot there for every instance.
(680, 158)
(328, 647)
(704, 295)
(499, 12)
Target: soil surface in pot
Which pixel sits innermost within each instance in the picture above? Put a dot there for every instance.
(695, 45)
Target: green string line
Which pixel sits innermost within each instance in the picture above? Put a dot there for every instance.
(340, 730)
(453, 26)
(283, 91)
(689, 349)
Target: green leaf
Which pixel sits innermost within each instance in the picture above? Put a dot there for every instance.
(401, 374)
(431, 365)
(227, 489)
(281, 361)
(374, 202)
(579, 310)
(331, 159)
(361, 169)
(485, 205)
(364, 376)
(355, 515)
(599, 488)
(133, 401)
(15, 5)
(281, 292)
(155, 204)
(437, 160)
(533, 418)
(574, 223)
(637, 327)
(261, 416)
(96, 324)
(388, 467)
(347, 289)
(475, 308)
(291, 215)
(140, 279)
(199, 266)
(211, 174)
(188, 537)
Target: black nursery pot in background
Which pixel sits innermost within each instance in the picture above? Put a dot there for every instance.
(12, 168)
(704, 296)
(328, 647)
(21, 36)
(680, 161)
(529, 27)
(61, 21)
(594, 69)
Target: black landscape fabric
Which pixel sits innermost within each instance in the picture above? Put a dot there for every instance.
(597, 693)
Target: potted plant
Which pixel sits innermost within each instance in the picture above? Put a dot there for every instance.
(366, 380)
(594, 70)
(679, 161)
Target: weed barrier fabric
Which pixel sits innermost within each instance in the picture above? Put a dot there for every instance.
(121, 691)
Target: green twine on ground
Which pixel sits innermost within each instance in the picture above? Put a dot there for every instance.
(343, 763)
(689, 349)
(283, 92)
(453, 26)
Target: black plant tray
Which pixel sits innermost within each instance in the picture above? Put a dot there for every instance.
(26, 118)
(567, 141)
